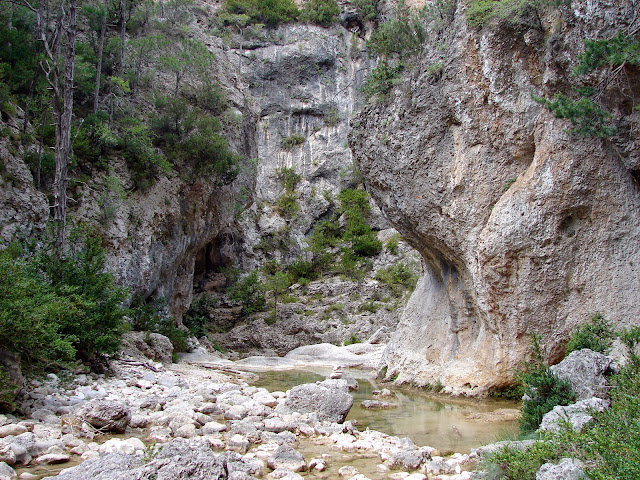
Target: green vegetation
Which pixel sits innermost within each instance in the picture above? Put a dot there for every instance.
(119, 108)
(289, 178)
(293, 141)
(367, 9)
(55, 308)
(543, 390)
(269, 12)
(400, 277)
(392, 244)
(321, 12)
(597, 334)
(511, 12)
(153, 317)
(353, 339)
(611, 59)
(249, 292)
(287, 205)
(609, 445)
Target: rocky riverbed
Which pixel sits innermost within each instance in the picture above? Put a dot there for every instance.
(200, 419)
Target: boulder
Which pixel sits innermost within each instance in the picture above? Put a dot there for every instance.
(585, 370)
(329, 400)
(6, 454)
(197, 462)
(287, 457)
(576, 414)
(567, 469)
(143, 345)
(7, 473)
(12, 429)
(106, 415)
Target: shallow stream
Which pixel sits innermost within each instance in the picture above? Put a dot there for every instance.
(445, 423)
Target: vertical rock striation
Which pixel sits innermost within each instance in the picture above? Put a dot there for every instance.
(522, 226)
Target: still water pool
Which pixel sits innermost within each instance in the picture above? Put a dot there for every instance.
(445, 423)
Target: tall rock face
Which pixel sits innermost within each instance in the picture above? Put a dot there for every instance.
(522, 226)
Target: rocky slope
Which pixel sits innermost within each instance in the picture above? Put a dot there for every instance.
(522, 226)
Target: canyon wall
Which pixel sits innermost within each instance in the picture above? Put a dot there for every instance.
(522, 226)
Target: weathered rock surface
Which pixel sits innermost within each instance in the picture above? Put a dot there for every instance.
(106, 415)
(577, 414)
(287, 457)
(522, 226)
(179, 459)
(567, 469)
(7, 473)
(154, 346)
(329, 400)
(585, 370)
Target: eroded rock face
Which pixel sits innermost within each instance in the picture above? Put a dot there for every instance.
(522, 226)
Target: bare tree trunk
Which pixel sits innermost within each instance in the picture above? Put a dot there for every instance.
(103, 31)
(64, 112)
(59, 40)
(123, 30)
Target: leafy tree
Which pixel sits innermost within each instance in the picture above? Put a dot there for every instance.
(249, 291)
(321, 12)
(270, 12)
(277, 284)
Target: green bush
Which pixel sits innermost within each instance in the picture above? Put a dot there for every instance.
(543, 390)
(596, 334)
(514, 12)
(587, 117)
(249, 291)
(402, 36)
(56, 307)
(153, 317)
(367, 9)
(287, 205)
(289, 178)
(367, 245)
(269, 12)
(321, 12)
(352, 340)
(382, 79)
(292, 141)
(398, 277)
(392, 244)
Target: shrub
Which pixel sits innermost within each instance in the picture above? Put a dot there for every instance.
(368, 9)
(392, 244)
(56, 307)
(597, 335)
(150, 316)
(321, 12)
(402, 36)
(289, 178)
(352, 340)
(302, 269)
(292, 141)
(382, 79)
(543, 390)
(269, 12)
(367, 245)
(287, 205)
(398, 277)
(249, 291)
(587, 117)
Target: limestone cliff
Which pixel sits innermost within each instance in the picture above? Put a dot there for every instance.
(522, 226)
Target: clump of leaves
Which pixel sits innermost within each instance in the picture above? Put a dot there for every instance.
(597, 334)
(543, 390)
(321, 12)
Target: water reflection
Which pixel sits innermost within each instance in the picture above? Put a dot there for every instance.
(450, 425)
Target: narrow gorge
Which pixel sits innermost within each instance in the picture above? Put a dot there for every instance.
(442, 192)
